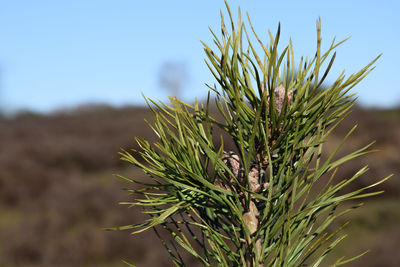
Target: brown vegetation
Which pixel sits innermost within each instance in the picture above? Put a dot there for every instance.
(57, 191)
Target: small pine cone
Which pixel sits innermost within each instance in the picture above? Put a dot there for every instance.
(280, 97)
(254, 179)
(251, 221)
(250, 217)
(232, 161)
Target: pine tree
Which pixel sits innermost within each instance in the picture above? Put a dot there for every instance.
(256, 205)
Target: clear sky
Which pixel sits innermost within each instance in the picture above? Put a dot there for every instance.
(57, 54)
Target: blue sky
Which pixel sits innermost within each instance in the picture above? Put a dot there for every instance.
(58, 54)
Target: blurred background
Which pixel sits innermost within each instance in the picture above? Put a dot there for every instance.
(72, 75)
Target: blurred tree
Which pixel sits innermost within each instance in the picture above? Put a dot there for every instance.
(173, 76)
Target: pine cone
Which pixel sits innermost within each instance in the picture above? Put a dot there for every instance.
(232, 161)
(279, 96)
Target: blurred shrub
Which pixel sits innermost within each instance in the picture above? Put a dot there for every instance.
(57, 193)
